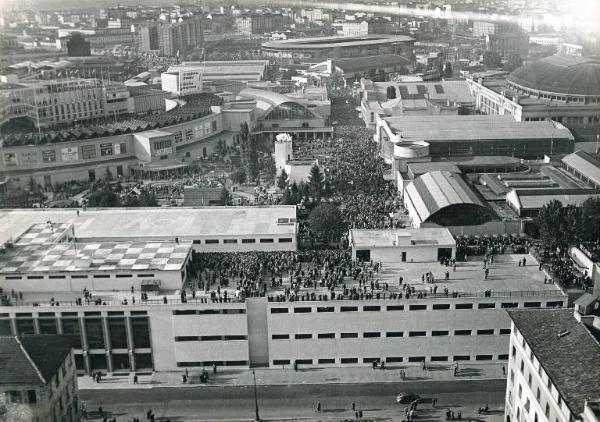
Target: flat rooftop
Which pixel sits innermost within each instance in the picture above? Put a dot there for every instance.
(454, 91)
(103, 256)
(155, 223)
(414, 237)
(42, 234)
(472, 128)
(572, 361)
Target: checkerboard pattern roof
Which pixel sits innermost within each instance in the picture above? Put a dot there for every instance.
(42, 234)
(102, 256)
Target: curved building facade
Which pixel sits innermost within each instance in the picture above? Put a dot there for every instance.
(561, 78)
(159, 141)
(565, 89)
(340, 47)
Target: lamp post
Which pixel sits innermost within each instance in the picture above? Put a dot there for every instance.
(257, 417)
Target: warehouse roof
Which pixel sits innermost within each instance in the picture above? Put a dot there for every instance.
(572, 361)
(437, 190)
(359, 64)
(222, 69)
(533, 199)
(462, 128)
(586, 164)
(418, 169)
(145, 224)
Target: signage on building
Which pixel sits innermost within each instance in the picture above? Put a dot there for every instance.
(10, 159)
(88, 151)
(29, 156)
(69, 154)
(163, 151)
(178, 137)
(106, 149)
(190, 82)
(49, 156)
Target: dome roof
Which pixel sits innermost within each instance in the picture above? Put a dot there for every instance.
(561, 75)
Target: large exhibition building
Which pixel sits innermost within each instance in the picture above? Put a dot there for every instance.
(565, 89)
(154, 143)
(340, 47)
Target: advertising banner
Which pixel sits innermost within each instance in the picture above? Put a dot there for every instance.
(30, 157)
(10, 159)
(106, 149)
(49, 156)
(88, 151)
(69, 154)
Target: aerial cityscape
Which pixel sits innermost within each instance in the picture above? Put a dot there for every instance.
(300, 210)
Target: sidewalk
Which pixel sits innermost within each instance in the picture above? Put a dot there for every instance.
(308, 376)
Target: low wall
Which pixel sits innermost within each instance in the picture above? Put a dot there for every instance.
(582, 259)
(491, 227)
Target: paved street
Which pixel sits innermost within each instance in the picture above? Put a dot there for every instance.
(297, 402)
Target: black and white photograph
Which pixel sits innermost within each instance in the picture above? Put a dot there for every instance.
(300, 211)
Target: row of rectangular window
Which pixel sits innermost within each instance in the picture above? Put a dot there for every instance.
(211, 338)
(243, 241)
(74, 276)
(389, 359)
(227, 311)
(417, 307)
(210, 363)
(376, 334)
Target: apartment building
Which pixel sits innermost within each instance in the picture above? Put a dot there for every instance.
(554, 364)
(38, 383)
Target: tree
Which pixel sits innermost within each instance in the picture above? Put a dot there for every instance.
(391, 92)
(221, 148)
(514, 61)
(327, 222)
(238, 176)
(148, 199)
(448, 73)
(226, 198)
(103, 198)
(550, 221)
(492, 60)
(571, 223)
(282, 180)
(249, 152)
(315, 182)
(108, 174)
(131, 201)
(269, 167)
(590, 220)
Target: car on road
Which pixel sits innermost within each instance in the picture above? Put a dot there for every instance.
(407, 397)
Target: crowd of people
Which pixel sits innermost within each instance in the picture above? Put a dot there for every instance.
(492, 244)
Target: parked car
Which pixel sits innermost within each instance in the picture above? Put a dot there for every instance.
(407, 397)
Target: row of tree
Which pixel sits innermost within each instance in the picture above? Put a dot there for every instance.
(563, 226)
(105, 194)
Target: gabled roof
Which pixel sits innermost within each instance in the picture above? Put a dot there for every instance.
(32, 359)
(586, 164)
(572, 361)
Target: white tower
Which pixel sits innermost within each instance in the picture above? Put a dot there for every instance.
(283, 151)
